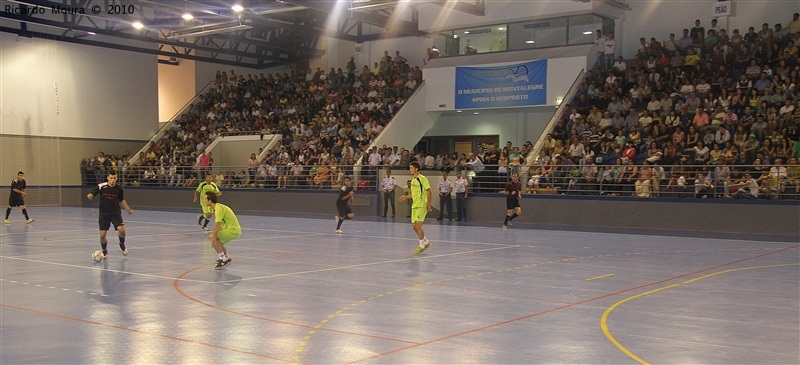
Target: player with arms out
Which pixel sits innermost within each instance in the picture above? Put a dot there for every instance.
(343, 204)
(17, 198)
(226, 229)
(205, 187)
(421, 204)
(112, 196)
(513, 191)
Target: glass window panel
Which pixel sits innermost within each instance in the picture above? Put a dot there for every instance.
(537, 34)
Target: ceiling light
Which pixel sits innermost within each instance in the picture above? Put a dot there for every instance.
(138, 25)
(501, 28)
(475, 113)
(459, 111)
(530, 42)
(237, 8)
(455, 36)
(91, 33)
(466, 32)
(587, 32)
(187, 16)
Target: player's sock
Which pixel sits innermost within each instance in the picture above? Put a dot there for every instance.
(8, 211)
(104, 246)
(514, 216)
(206, 223)
(122, 243)
(25, 213)
(422, 243)
(424, 240)
(339, 224)
(506, 221)
(221, 255)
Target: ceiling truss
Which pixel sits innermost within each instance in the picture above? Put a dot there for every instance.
(267, 33)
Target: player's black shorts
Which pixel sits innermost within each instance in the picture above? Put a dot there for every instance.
(343, 209)
(16, 200)
(512, 203)
(105, 222)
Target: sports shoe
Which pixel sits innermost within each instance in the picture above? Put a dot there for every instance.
(7, 221)
(227, 261)
(200, 220)
(339, 231)
(125, 251)
(220, 264)
(30, 220)
(505, 227)
(423, 248)
(205, 228)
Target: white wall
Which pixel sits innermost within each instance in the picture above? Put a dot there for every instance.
(176, 87)
(497, 12)
(655, 18)
(50, 88)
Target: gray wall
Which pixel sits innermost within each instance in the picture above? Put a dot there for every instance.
(772, 218)
(53, 161)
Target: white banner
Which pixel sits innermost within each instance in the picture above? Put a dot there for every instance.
(721, 8)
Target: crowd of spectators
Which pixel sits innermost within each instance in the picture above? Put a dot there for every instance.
(326, 119)
(709, 106)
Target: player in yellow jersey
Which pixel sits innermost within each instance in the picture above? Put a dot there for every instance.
(205, 187)
(226, 229)
(421, 204)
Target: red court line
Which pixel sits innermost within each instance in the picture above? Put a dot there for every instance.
(143, 332)
(498, 324)
(181, 292)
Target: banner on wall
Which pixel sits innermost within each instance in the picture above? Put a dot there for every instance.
(521, 84)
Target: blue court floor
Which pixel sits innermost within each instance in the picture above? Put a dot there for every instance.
(297, 293)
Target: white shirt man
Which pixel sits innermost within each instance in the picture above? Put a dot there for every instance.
(388, 184)
(445, 204)
(476, 164)
(461, 188)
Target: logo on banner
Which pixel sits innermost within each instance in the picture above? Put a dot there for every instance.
(504, 86)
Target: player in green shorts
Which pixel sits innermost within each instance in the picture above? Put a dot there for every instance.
(226, 229)
(203, 188)
(421, 204)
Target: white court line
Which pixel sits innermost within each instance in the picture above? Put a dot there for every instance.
(353, 236)
(41, 232)
(365, 264)
(261, 277)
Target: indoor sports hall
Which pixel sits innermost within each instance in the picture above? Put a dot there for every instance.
(399, 182)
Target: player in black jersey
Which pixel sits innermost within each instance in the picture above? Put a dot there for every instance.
(17, 197)
(343, 204)
(513, 191)
(111, 197)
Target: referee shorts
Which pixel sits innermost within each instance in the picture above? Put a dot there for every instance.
(512, 203)
(16, 201)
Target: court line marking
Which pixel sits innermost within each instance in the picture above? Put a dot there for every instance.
(176, 286)
(604, 318)
(514, 320)
(259, 277)
(324, 233)
(599, 277)
(142, 332)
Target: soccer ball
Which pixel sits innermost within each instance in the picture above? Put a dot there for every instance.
(97, 256)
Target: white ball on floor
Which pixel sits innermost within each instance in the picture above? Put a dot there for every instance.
(97, 256)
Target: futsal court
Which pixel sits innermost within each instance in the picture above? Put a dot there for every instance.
(296, 292)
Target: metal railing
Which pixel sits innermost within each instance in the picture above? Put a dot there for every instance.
(645, 181)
